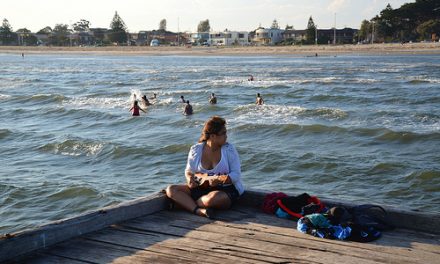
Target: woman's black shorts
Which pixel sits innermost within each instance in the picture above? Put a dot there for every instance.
(230, 190)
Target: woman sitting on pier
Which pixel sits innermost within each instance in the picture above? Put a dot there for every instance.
(213, 173)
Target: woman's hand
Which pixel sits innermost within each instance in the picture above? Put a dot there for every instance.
(191, 181)
(219, 179)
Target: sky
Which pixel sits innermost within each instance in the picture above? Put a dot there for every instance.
(185, 15)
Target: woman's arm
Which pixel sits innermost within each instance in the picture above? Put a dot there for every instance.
(190, 179)
(234, 164)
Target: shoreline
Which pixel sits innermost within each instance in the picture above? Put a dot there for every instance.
(306, 50)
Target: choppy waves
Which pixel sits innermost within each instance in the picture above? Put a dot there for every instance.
(336, 128)
(73, 148)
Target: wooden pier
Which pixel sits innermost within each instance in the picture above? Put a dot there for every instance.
(243, 234)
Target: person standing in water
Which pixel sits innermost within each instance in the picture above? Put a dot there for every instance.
(251, 78)
(188, 109)
(259, 100)
(145, 101)
(135, 109)
(212, 99)
(182, 99)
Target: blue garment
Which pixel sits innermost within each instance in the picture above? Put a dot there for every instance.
(301, 227)
(319, 220)
(325, 231)
(282, 214)
(340, 232)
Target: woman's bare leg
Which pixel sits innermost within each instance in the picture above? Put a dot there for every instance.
(181, 195)
(215, 199)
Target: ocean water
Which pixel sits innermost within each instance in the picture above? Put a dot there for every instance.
(359, 128)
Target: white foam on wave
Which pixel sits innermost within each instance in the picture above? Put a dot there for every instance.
(267, 82)
(424, 79)
(78, 149)
(178, 93)
(97, 102)
(4, 96)
(282, 114)
(362, 80)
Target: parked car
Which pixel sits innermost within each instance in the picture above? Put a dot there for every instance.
(154, 43)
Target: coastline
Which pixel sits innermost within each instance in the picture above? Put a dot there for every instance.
(306, 50)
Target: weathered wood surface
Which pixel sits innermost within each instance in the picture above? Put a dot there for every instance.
(240, 235)
(163, 237)
(13, 245)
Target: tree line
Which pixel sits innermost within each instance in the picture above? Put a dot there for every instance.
(59, 34)
(411, 22)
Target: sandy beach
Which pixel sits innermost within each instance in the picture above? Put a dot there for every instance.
(309, 50)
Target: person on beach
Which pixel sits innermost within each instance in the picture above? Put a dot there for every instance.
(188, 109)
(182, 99)
(218, 160)
(135, 109)
(259, 100)
(145, 102)
(212, 99)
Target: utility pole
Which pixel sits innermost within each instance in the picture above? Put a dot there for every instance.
(372, 32)
(178, 31)
(316, 34)
(334, 32)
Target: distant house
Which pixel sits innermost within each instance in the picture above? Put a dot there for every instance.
(228, 38)
(267, 36)
(42, 39)
(198, 37)
(100, 35)
(81, 38)
(294, 35)
(325, 36)
(145, 37)
(142, 38)
(164, 37)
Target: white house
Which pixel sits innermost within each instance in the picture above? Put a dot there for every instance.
(228, 38)
(268, 36)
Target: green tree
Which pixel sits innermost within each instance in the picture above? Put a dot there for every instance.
(204, 26)
(7, 36)
(118, 30)
(310, 31)
(428, 28)
(26, 38)
(163, 25)
(365, 30)
(81, 26)
(60, 35)
(275, 24)
(405, 23)
(289, 27)
(47, 30)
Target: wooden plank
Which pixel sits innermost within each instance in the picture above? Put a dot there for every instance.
(193, 249)
(41, 258)
(238, 235)
(379, 251)
(13, 245)
(97, 252)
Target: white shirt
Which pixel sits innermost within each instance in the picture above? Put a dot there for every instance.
(229, 164)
